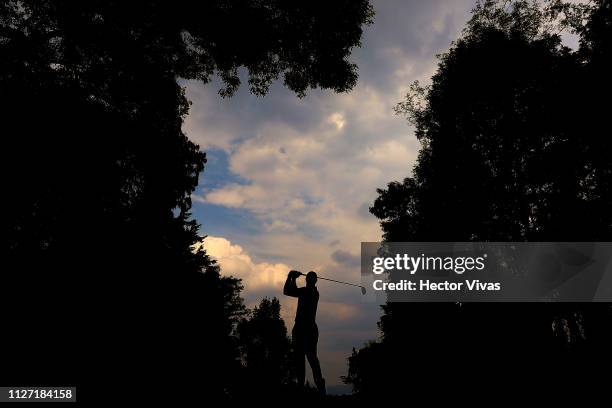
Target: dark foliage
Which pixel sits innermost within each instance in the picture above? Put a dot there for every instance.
(265, 351)
(515, 147)
(101, 280)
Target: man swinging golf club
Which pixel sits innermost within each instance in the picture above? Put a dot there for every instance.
(305, 332)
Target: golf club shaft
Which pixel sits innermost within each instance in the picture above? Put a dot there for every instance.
(345, 283)
(337, 281)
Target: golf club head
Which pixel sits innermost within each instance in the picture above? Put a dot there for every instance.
(363, 290)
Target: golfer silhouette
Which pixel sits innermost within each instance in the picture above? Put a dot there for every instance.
(305, 334)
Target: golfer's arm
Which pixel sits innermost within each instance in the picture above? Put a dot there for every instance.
(290, 288)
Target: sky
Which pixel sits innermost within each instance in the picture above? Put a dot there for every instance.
(288, 181)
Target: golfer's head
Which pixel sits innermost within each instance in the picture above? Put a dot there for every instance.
(311, 279)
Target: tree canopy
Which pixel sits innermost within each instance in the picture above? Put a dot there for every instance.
(265, 350)
(504, 154)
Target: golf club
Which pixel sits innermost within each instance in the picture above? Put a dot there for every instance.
(363, 289)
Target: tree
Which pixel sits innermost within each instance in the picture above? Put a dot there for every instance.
(495, 127)
(265, 350)
(98, 174)
(504, 157)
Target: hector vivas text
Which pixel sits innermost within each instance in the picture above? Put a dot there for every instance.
(412, 265)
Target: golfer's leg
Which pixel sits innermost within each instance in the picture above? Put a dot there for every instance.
(300, 367)
(298, 356)
(313, 360)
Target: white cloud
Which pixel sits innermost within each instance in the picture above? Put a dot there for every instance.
(337, 119)
(312, 182)
(236, 262)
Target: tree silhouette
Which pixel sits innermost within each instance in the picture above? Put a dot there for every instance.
(501, 159)
(100, 273)
(265, 350)
(506, 155)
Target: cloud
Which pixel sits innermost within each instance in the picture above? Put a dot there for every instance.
(337, 119)
(314, 181)
(236, 262)
(309, 168)
(346, 258)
